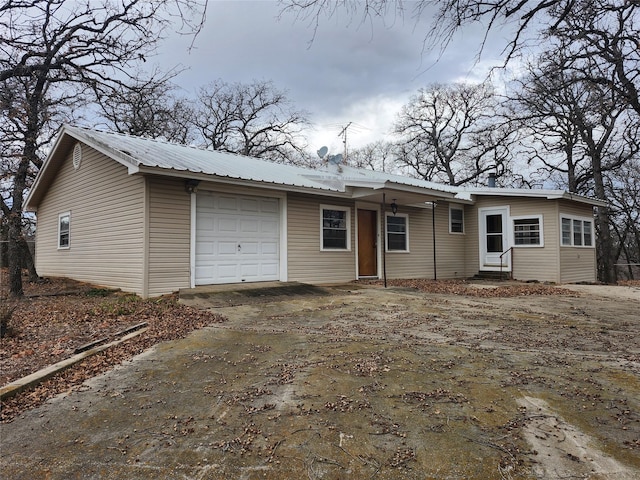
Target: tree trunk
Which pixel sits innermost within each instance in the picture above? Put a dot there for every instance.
(14, 253)
(606, 268)
(27, 260)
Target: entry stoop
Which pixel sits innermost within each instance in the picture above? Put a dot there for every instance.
(492, 275)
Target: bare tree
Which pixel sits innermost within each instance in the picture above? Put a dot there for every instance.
(59, 51)
(379, 156)
(253, 119)
(453, 134)
(624, 196)
(581, 133)
(605, 32)
(147, 107)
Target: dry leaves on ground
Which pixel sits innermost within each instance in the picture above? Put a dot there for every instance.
(476, 289)
(59, 316)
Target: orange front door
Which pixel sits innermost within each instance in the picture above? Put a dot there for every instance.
(367, 250)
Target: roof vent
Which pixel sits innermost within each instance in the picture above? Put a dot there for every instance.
(77, 155)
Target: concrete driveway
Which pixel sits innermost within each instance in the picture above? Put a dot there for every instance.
(358, 382)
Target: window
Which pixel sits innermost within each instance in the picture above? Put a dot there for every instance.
(397, 233)
(576, 232)
(456, 220)
(63, 230)
(334, 225)
(527, 231)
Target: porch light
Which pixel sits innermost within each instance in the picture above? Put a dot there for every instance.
(394, 206)
(191, 185)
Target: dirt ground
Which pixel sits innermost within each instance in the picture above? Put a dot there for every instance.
(358, 381)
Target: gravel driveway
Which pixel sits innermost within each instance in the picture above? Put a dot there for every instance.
(360, 382)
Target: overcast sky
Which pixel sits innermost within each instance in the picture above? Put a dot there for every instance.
(348, 71)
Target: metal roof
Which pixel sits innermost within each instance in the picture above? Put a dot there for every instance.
(468, 192)
(139, 152)
(147, 155)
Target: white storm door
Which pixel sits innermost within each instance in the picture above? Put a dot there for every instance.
(237, 239)
(494, 239)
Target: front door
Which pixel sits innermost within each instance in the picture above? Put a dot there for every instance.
(367, 245)
(494, 239)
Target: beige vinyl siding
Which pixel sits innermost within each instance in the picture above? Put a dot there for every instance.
(577, 264)
(536, 263)
(106, 206)
(450, 247)
(418, 261)
(306, 262)
(472, 241)
(168, 235)
(528, 263)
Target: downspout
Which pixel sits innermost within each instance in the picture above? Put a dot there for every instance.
(433, 228)
(384, 239)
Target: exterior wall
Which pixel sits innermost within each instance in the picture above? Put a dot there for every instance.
(306, 262)
(472, 241)
(418, 261)
(451, 255)
(169, 226)
(577, 264)
(528, 263)
(106, 208)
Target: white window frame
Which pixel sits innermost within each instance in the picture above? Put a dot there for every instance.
(406, 233)
(324, 207)
(60, 231)
(582, 220)
(540, 230)
(456, 207)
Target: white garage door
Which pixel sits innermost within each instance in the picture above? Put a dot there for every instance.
(237, 239)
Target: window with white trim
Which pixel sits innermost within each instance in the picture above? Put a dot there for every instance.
(64, 229)
(576, 231)
(334, 228)
(398, 233)
(456, 219)
(527, 231)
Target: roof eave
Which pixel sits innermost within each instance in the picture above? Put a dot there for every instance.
(545, 194)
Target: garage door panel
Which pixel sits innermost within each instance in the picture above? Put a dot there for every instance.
(250, 248)
(269, 228)
(227, 224)
(270, 248)
(249, 205)
(237, 239)
(270, 206)
(270, 268)
(226, 203)
(250, 225)
(227, 248)
(228, 272)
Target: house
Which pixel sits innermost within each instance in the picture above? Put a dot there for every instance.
(152, 217)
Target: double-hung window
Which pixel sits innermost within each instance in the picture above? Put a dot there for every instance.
(576, 231)
(64, 230)
(334, 228)
(456, 220)
(527, 231)
(397, 233)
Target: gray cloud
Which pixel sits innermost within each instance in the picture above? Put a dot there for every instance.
(346, 67)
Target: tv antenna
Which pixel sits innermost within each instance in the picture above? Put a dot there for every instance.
(343, 134)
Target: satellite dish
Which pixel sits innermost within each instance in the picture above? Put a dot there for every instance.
(335, 159)
(322, 152)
